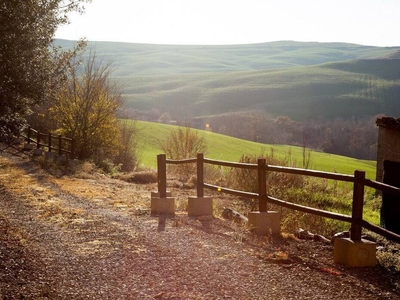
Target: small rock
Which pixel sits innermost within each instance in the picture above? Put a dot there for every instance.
(304, 234)
(344, 234)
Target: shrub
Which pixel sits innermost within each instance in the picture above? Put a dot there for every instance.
(128, 156)
(247, 179)
(182, 143)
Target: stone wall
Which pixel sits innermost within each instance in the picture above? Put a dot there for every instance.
(388, 143)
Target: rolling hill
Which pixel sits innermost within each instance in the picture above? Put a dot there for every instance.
(296, 79)
(345, 89)
(148, 59)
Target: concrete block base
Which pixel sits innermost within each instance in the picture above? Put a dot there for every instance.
(29, 147)
(162, 206)
(200, 206)
(156, 194)
(50, 156)
(354, 254)
(265, 222)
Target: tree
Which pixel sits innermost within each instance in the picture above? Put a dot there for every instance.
(128, 154)
(30, 67)
(86, 107)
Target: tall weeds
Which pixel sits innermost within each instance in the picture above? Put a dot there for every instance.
(313, 192)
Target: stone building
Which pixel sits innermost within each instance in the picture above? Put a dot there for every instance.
(388, 143)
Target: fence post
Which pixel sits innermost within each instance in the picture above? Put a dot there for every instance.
(49, 141)
(72, 149)
(200, 175)
(162, 175)
(358, 203)
(262, 185)
(59, 145)
(29, 134)
(38, 140)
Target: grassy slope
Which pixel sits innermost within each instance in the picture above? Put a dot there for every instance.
(226, 148)
(300, 80)
(357, 88)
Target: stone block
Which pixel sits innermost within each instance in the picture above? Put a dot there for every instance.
(200, 206)
(38, 152)
(73, 163)
(162, 206)
(29, 147)
(62, 159)
(354, 253)
(50, 156)
(265, 222)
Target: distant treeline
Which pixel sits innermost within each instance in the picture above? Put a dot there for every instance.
(349, 137)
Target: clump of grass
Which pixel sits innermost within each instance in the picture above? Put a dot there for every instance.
(85, 170)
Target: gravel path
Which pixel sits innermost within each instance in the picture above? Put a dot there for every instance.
(69, 238)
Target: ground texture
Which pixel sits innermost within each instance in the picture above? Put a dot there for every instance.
(63, 237)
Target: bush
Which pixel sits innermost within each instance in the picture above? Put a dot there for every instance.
(128, 157)
(247, 180)
(183, 143)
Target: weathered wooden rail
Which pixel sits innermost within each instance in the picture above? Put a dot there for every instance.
(358, 179)
(53, 143)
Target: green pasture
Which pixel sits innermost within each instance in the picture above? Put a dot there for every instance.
(222, 147)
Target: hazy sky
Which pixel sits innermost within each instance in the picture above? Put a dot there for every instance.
(215, 22)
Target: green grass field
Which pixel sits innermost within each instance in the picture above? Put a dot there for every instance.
(330, 196)
(222, 147)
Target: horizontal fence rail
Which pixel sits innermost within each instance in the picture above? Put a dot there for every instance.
(358, 179)
(382, 186)
(53, 143)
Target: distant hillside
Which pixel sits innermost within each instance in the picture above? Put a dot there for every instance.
(299, 80)
(393, 55)
(146, 59)
(345, 89)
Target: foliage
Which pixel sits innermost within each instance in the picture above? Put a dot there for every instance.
(183, 142)
(308, 191)
(86, 110)
(128, 152)
(30, 68)
(349, 137)
(245, 179)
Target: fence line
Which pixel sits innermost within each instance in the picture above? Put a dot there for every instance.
(358, 179)
(46, 140)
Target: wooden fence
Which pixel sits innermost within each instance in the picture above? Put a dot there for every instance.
(53, 143)
(358, 179)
